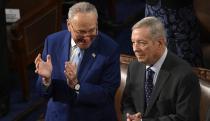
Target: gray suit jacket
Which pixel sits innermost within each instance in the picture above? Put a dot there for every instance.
(175, 96)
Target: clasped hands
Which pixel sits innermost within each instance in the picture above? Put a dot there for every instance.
(44, 69)
(134, 117)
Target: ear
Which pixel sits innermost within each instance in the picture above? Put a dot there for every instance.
(161, 41)
(68, 25)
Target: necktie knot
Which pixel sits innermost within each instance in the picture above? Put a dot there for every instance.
(150, 74)
(76, 55)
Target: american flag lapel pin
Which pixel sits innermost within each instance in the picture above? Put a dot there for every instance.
(94, 55)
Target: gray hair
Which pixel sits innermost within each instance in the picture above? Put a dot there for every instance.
(82, 7)
(156, 27)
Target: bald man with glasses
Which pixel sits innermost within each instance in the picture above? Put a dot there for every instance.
(79, 70)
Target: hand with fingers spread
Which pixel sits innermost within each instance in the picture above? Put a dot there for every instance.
(71, 74)
(134, 117)
(44, 69)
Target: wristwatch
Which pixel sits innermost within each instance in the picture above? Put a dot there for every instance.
(77, 87)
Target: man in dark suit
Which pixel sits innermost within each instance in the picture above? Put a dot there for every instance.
(80, 87)
(160, 86)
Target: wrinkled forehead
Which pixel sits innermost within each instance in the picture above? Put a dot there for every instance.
(84, 20)
(141, 33)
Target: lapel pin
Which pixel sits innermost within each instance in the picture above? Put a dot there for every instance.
(94, 55)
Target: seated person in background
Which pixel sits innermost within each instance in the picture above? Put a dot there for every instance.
(80, 83)
(160, 86)
(182, 27)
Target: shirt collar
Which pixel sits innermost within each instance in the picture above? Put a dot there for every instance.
(72, 43)
(156, 67)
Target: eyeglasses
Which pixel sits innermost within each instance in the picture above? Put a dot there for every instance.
(82, 33)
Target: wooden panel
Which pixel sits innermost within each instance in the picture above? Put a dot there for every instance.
(38, 19)
(27, 6)
(39, 29)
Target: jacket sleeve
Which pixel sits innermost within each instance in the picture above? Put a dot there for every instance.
(127, 105)
(41, 89)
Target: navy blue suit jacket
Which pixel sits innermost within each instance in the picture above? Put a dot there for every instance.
(99, 78)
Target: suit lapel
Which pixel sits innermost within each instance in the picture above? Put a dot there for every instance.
(161, 79)
(86, 64)
(88, 59)
(65, 50)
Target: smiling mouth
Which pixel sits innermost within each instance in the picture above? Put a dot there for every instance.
(139, 56)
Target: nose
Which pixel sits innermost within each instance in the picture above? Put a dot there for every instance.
(135, 47)
(86, 37)
(86, 34)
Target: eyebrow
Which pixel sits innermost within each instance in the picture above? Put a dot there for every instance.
(138, 40)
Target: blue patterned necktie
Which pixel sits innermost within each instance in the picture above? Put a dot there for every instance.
(76, 55)
(148, 84)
